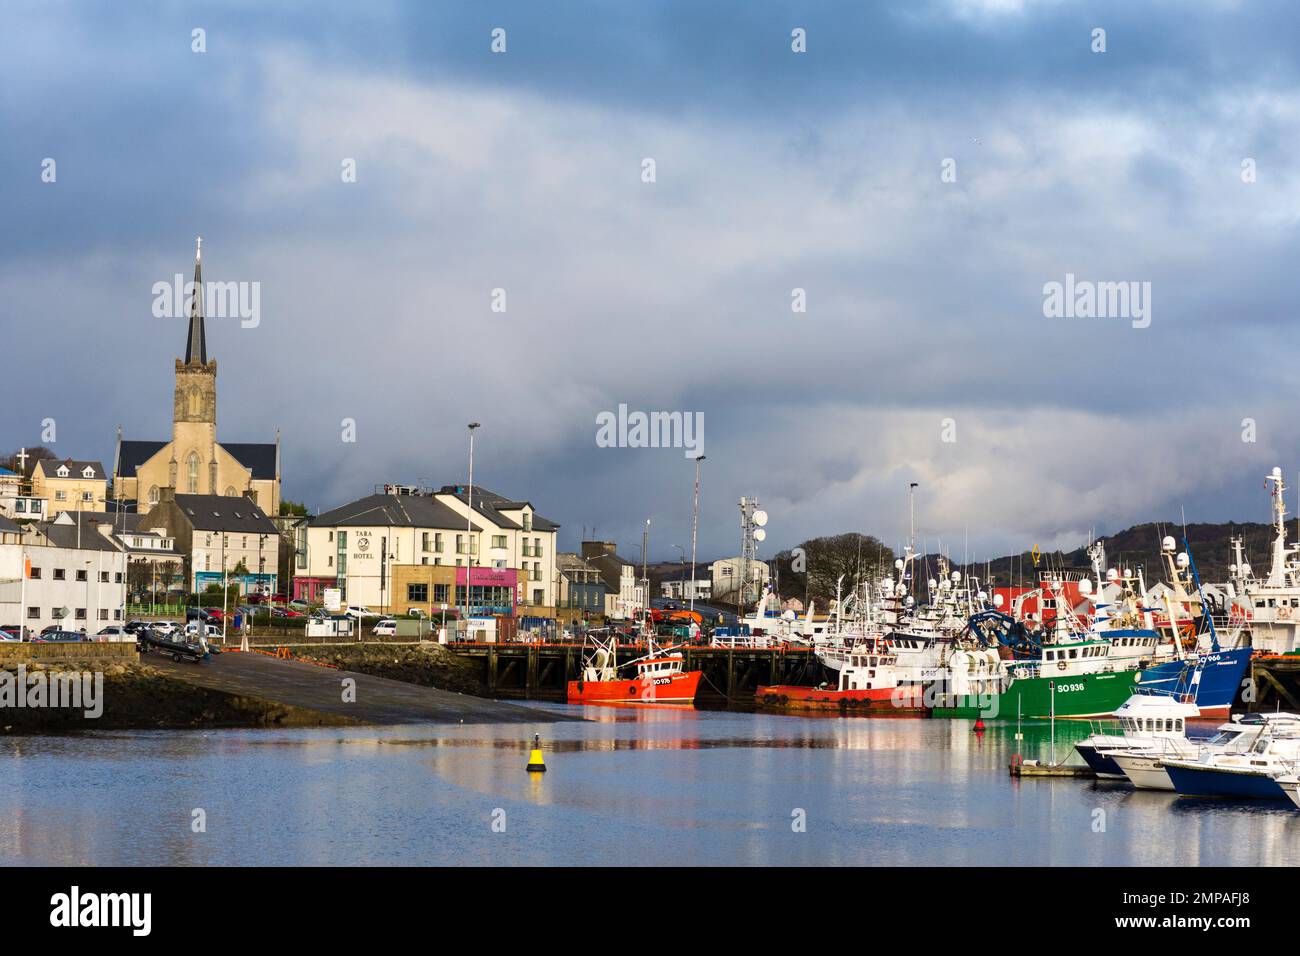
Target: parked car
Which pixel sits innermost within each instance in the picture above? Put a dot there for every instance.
(209, 630)
(361, 612)
(114, 633)
(196, 614)
(216, 614)
(387, 627)
(58, 637)
(134, 627)
(11, 632)
(165, 628)
(300, 605)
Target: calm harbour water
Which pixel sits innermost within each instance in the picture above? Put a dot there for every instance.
(631, 787)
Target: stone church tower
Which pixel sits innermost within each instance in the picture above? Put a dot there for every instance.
(194, 462)
(194, 419)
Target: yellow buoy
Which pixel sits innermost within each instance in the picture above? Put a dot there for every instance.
(535, 762)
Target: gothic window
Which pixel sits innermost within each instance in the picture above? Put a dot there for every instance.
(153, 495)
(192, 473)
(231, 492)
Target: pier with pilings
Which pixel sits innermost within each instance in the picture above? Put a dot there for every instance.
(731, 674)
(1275, 682)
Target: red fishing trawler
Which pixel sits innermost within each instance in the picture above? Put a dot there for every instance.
(659, 677)
(868, 684)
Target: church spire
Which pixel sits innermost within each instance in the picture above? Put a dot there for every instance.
(196, 344)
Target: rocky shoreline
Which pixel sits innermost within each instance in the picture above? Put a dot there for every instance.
(134, 696)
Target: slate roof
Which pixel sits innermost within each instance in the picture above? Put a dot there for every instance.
(135, 453)
(257, 457)
(65, 536)
(224, 513)
(9, 525)
(398, 511)
(50, 468)
(491, 505)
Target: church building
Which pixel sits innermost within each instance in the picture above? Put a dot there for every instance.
(194, 462)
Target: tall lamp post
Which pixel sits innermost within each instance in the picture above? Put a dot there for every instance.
(645, 574)
(695, 523)
(469, 523)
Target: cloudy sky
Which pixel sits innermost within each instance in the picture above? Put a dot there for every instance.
(775, 170)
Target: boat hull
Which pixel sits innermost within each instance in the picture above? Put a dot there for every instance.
(1221, 674)
(673, 689)
(1100, 762)
(1220, 782)
(1083, 695)
(1144, 772)
(904, 701)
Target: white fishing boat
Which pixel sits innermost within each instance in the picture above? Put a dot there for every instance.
(1145, 722)
(1272, 606)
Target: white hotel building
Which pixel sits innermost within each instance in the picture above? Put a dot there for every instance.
(356, 546)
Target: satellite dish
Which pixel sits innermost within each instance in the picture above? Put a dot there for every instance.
(759, 534)
(933, 584)
(1112, 575)
(1277, 472)
(956, 577)
(62, 612)
(899, 564)
(760, 519)
(981, 596)
(1183, 560)
(997, 600)
(1167, 544)
(1085, 586)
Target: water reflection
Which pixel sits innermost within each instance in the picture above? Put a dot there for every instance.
(635, 786)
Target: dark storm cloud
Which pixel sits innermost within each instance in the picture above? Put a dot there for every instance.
(776, 171)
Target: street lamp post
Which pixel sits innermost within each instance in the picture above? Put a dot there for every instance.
(469, 523)
(695, 523)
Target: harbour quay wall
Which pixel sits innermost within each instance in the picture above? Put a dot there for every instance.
(74, 651)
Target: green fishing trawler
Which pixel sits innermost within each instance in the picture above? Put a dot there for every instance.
(1072, 675)
(1028, 693)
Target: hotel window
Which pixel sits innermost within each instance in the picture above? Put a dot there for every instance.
(528, 521)
(103, 614)
(437, 542)
(80, 614)
(117, 577)
(537, 547)
(417, 592)
(538, 596)
(20, 504)
(36, 574)
(33, 613)
(60, 496)
(424, 541)
(103, 577)
(498, 541)
(440, 593)
(87, 496)
(59, 574)
(81, 575)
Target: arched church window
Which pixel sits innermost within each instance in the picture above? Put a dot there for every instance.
(153, 495)
(192, 473)
(231, 492)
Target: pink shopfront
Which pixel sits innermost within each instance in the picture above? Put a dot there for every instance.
(492, 591)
